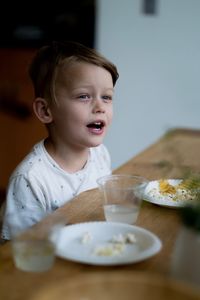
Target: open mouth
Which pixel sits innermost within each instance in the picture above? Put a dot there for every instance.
(97, 126)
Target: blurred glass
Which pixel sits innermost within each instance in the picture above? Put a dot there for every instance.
(185, 264)
(33, 250)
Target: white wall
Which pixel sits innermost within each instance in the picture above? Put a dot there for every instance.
(158, 58)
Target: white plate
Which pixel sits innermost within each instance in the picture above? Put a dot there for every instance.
(70, 244)
(153, 195)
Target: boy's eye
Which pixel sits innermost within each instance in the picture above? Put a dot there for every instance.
(107, 98)
(84, 96)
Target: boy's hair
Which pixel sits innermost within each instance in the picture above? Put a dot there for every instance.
(44, 66)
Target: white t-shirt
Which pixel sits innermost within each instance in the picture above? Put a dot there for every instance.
(39, 184)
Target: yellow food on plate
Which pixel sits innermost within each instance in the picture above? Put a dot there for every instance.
(166, 188)
(190, 183)
(186, 189)
(109, 249)
(173, 192)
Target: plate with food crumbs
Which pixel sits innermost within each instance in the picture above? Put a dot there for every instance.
(172, 193)
(106, 243)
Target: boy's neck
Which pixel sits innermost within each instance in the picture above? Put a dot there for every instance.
(68, 159)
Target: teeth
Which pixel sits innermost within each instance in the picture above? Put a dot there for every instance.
(97, 125)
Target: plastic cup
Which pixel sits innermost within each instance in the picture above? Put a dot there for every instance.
(122, 197)
(33, 251)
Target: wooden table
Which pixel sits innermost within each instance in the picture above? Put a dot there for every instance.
(171, 156)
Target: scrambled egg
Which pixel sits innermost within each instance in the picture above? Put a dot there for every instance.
(181, 191)
(166, 188)
(115, 246)
(109, 249)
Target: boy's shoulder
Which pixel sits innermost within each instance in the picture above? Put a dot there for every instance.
(101, 154)
(31, 161)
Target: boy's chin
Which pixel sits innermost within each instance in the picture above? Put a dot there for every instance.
(96, 144)
(95, 141)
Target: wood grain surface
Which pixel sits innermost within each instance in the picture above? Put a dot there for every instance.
(174, 155)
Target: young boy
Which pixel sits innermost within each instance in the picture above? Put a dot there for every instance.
(74, 88)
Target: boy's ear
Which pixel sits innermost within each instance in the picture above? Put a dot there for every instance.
(42, 110)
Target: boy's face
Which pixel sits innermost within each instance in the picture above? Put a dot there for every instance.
(84, 106)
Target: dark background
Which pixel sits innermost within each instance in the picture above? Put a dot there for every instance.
(33, 23)
(24, 27)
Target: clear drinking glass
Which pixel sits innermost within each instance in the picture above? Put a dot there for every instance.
(122, 197)
(32, 250)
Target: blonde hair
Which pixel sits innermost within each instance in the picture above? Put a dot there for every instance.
(48, 60)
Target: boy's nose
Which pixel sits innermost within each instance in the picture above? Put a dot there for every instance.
(98, 106)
